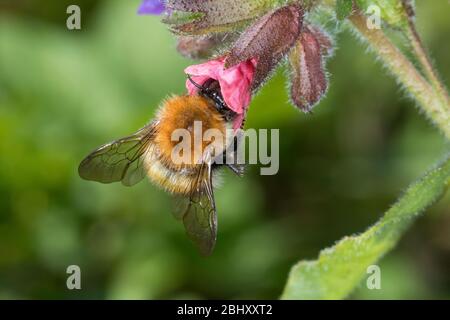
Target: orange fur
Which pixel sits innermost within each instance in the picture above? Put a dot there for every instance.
(180, 112)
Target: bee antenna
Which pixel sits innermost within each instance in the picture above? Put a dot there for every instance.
(195, 83)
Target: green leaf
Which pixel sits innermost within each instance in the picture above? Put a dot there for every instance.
(339, 269)
(343, 8)
(180, 17)
(197, 17)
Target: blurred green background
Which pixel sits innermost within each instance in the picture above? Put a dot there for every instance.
(63, 93)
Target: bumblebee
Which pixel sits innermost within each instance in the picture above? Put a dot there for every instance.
(150, 152)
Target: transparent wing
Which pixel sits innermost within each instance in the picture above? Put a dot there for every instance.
(198, 212)
(120, 160)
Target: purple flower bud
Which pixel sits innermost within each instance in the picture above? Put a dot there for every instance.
(308, 77)
(268, 40)
(154, 7)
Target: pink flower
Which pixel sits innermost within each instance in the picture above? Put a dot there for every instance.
(235, 83)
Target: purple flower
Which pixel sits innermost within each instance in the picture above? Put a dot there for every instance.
(155, 7)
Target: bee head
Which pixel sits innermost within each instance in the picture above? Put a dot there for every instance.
(211, 89)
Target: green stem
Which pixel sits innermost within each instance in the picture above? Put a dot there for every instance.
(436, 108)
(422, 55)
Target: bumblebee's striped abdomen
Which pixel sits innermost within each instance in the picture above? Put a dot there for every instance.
(179, 182)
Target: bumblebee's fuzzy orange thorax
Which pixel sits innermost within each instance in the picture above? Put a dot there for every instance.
(181, 112)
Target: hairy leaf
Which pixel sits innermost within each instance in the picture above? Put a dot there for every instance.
(212, 15)
(343, 8)
(339, 269)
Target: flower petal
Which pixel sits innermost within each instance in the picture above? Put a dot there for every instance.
(238, 122)
(155, 7)
(235, 82)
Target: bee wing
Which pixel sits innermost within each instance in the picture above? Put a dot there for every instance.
(199, 212)
(120, 160)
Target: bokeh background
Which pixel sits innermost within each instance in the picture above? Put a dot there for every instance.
(63, 93)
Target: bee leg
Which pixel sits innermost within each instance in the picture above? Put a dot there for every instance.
(230, 158)
(221, 161)
(238, 169)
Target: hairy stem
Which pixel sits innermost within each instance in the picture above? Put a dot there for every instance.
(421, 53)
(431, 102)
(424, 59)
